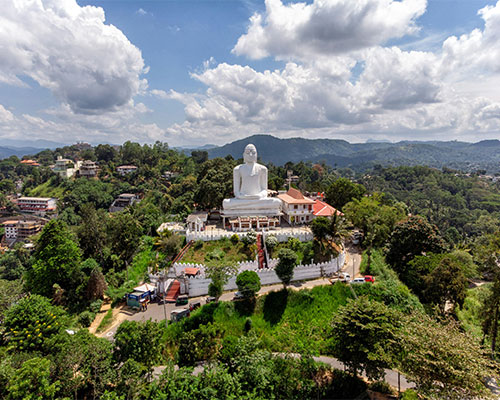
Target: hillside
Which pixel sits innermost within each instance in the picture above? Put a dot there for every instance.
(361, 156)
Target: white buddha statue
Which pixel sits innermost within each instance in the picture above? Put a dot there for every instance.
(250, 188)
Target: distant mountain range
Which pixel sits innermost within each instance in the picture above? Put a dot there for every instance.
(459, 155)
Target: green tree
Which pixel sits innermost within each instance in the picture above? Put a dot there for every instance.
(248, 283)
(123, 233)
(342, 191)
(33, 381)
(375, 219)
(410, 238)
(139, 341)
(363, 333)
(92, 231)
(215, 182)
(219, 275)
(446, 283)
(57, 261)
(31, 322)
(10, 292)
(286, 265)
(96, 285)
(442, 360)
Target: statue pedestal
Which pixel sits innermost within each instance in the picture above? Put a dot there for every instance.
(265, 208)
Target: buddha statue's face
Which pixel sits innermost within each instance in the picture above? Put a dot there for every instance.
(250, 154)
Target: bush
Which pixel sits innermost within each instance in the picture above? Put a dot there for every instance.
(95, 306)
(198, 244)
(85, 318)
(235, 239)
(409, 394)
(381, 387)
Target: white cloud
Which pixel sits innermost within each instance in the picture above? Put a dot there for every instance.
(358, 87)
(62, 124)
(70, 50)
(141, 11)
(326, 27)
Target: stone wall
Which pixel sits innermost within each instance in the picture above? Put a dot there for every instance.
(198, 286)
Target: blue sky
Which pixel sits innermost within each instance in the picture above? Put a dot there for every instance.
(196, 72)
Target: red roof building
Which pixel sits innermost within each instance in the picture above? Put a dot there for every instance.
(322, 209)
(297, 209)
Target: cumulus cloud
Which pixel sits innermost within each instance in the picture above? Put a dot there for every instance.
(326, 27)
(62, 124)
(87, 64)
(340, 79)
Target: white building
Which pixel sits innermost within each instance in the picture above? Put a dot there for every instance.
(37, 205)
(296, 208)
(65, 168)
(10, 229)
(126, 169)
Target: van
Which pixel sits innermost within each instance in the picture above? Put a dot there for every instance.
(180, 313)
(345, 277)
(182, 300)
(358, 280)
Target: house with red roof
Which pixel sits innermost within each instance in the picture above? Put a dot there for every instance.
(296, 208)
(322, 209)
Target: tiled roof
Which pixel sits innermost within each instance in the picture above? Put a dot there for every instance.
(322, 209)
(294, 196)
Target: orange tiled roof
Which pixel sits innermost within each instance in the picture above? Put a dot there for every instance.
(294, 196)
(322, 209)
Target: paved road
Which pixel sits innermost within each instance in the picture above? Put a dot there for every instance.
(391, 377)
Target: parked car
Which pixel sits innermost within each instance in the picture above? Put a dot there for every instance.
(210, 299)
(358, 280)
(177, 315)
(369, 278)
(345, 277)
(238, 296)
(182, 300)
(194, 305)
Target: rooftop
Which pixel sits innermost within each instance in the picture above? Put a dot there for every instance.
(294, 196)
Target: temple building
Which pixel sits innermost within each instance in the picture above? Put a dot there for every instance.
(297, 209)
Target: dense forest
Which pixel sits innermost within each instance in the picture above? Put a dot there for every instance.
(429, 236)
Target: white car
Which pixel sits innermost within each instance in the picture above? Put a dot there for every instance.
(345, 277)
(358, 280)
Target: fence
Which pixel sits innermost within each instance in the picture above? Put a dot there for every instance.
(303, 234)
(198, 286)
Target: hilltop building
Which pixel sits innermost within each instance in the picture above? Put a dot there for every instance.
(296, 208)
(37, 205)
(126, 169)
(89, 169)
(65, 168)
(122, 201)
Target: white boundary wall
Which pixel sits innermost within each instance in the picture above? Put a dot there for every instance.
(302, 234)
(198, 286)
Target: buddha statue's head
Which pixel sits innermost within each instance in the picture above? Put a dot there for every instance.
(250, 154)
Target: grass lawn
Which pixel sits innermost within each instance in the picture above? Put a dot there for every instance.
(46, 190)
(221, 250)
(284, 321)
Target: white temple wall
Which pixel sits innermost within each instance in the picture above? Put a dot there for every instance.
(198, 286)
(282, 236)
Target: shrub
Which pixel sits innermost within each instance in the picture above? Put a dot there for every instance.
(85, 318)
(381, 387)
(95, 306)
(198, 244)
(235, 239)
